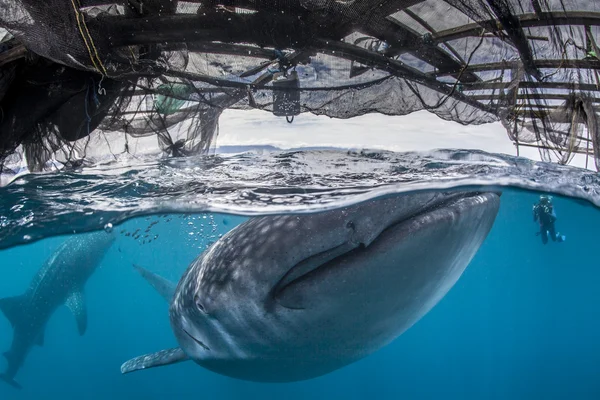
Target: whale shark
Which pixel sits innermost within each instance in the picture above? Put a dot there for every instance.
(59, 281)
(285, 298)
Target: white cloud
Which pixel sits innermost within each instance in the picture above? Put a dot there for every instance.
(419, 131)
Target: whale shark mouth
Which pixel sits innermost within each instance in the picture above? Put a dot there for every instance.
(329, 257)
(199, 342)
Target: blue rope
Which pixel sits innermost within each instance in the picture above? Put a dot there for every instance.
(96, 100)
(279, 54)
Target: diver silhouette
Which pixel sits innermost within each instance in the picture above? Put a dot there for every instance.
(544, 214)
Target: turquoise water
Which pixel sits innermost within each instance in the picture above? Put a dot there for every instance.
(522, 322)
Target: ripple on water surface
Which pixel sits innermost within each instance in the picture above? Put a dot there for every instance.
(35, 206)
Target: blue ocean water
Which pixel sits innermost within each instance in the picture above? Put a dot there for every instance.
(521, 323)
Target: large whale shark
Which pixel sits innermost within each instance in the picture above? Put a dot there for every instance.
(292, 297)
(61, 280)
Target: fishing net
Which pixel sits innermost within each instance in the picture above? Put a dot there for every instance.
(82, 80)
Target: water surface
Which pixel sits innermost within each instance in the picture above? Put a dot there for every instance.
(521, 323)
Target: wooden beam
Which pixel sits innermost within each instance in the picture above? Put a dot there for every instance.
(262, 29)
(541, 114)
(402, 39)
(372, 17)
(530, 106)
(13, 54)
(530, 96)
(426, 25)
(533, 85)
(526, 20)
(512, 27)
(230, 49)
(557, 148)
(537, 7)
(548, 64)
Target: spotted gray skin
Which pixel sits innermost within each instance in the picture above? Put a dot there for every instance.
(293, 297)
(61, 280)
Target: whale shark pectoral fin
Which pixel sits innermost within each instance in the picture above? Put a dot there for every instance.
(162, 286)
(14, 308)
(76, 303)
(158, 359)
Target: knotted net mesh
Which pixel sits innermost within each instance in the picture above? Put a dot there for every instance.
(82, 80)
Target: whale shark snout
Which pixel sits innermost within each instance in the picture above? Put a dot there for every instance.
(292, 297)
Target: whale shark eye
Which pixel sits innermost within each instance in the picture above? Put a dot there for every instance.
(350, 225)
(199, 304)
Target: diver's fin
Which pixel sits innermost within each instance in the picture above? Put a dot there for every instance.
(162, 286)
(76, 303)
(13, 308)
(10, 381)
(40, 339)
(158, 359)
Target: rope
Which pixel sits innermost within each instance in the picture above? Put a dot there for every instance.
(101, 90)
(92, 51)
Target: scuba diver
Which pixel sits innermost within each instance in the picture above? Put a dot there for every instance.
(543, 213)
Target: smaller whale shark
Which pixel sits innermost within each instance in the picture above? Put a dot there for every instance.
(292, 297)
(61, 280)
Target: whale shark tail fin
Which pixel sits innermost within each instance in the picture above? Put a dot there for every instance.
(10, 381)
(14, 308)
(162, 286)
